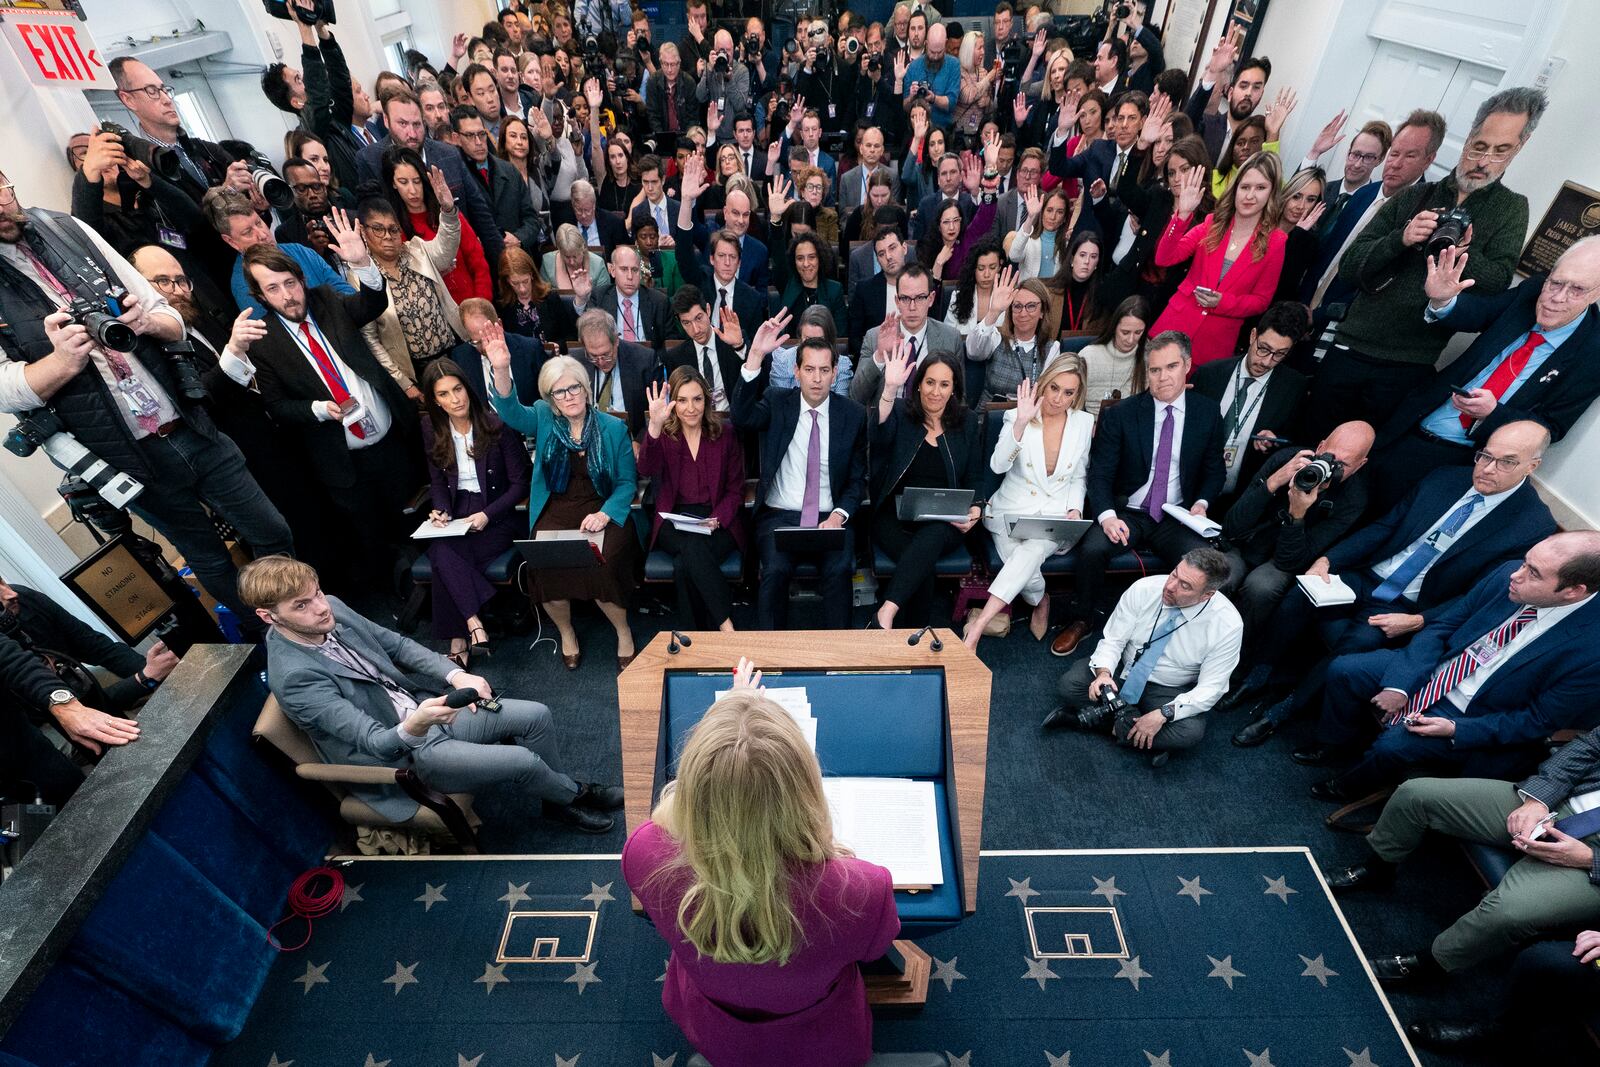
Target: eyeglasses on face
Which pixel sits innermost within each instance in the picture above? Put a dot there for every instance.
(178, 282)
(1273, 353)
(1503, 464)
(565, 392)
(380, 229)
(153, 92)
(912, 299)
(1565, 289)
(1028, 307)
(1362, 157)
(1498, 154)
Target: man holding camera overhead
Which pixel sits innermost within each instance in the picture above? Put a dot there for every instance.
(726, 82)
(71, 370)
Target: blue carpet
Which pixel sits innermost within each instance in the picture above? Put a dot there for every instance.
(1194, 959)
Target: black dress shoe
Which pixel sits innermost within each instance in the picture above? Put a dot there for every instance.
(1242, 697)
(598, 797)
(1395, 969)
(1441, 1033)
(581, 819)
(1317, 755)
(1374, 874)
(1331, 791)
(1091, 718)
(1255, 732)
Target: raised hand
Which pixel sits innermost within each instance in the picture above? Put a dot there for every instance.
(495, 350)
(778, 198)
(1005, 287)
(1283, 106)
(458, 48)
(888, 335)
(1040, 40)
(1160, 111)
(773, 151)
(659, 406)
(1067, 112)
(901, 64)
(1027, 406)
(1444, 282)
(713, 118)
(346, 238)
(731, 332)
(897, 369)
(694, 177)
(1019, 110)
(991, 151)
(796, 113)
(1313, 216)
(1033, 200)
(246, 331)
(1224, 55)
(591, 93)
(1329, 137)
(582, 284)
(1190, 190)
(771, 335)
(971, 173)
(441, 189)
(745, 675)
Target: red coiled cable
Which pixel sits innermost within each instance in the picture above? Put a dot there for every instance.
(313, 895)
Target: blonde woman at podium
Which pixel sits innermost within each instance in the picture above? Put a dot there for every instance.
(1043, 451)
(767, 915)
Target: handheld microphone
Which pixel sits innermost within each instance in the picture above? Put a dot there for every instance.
(936, 644)
(678, 639)
(465, 698)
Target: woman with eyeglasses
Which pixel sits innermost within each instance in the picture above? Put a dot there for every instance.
(583, 480)
(417, 205)
(1013, 338)
(810, 185)
(1303, 204)
(1042, 454)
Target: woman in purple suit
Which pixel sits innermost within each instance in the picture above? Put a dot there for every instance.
(478, 471)
(766, 914)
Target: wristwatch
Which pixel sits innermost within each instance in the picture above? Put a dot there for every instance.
(61, 696)
(1168, 712)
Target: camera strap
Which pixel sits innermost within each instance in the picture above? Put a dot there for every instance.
(59, 246)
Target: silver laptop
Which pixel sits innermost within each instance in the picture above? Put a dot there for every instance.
(934, 505)
(1065, 532)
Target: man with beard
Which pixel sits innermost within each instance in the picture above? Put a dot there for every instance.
(1244, 95)
(308, 225)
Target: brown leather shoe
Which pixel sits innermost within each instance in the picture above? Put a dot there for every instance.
(1066, 642)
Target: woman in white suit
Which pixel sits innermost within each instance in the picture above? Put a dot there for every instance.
(1043, 451)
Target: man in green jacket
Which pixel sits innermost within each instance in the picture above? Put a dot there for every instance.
(1385, 347)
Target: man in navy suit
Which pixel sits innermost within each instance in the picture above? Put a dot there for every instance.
(1102, 165)
(948, 179)
(403, 116)
(600, 229)
(1482, 686)
(813, 468)
(689, 235)
(1537, 356)
(744, 142)
(527, 355)
(722, 284)
(1457, 523)
(1138, 463)
(657, 205)
(641, 315)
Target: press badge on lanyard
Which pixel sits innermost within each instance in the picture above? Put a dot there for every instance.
(140, 400)
(171, 238)
(1484, 651)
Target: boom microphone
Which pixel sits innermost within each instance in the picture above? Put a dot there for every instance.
(936, 644)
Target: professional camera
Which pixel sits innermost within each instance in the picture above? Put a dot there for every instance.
(722, 63)
(852, 47)
(1322, 472)
(780, 114)
(163, 162)
(273, 189)
(873, 64)
(108, 332)
(1011, 59)
(321, 11)
(752, 45)
(180, 356)
(1112, 700)
(591, 53)
(42, 428)
(1452, 227)
(1122, 11)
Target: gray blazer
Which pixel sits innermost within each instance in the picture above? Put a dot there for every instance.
(1008, 214)
(849, 192)
(868, 382)
(351, 719)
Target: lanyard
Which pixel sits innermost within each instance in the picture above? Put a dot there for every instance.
(1244, 416)
(1161, 609)
(322, 339)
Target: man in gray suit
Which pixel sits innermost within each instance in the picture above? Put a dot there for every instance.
(853, 182)
(915, 293)
(1013, 206)
(352, 686)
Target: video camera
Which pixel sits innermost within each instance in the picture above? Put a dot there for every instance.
(321, 11)
(42, 428)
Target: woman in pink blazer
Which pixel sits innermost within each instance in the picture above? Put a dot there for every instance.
(1238, 255)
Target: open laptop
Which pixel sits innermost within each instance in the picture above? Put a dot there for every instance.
(1065, 532)
(933, 505)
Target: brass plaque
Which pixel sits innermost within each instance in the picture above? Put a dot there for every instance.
(1571, 216)
(121, 591)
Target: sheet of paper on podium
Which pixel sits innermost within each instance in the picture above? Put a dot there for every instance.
(890, 822)
(793, 700)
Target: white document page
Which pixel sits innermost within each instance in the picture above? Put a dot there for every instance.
(793, 700)
(454, 528)
(1326, 594)
(890, 822)
(1198, 523)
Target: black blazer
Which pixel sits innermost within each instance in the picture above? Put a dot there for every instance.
(656, 322)
(749, 303)
(511, 203)
(728, 363)
(636, 365)
(1567, 382)
(1124, 449)
(613, 231)
(1502, 537)
(896, 439)
(682, 95)
(775, 415)
(868, 305)
(289, 385)
(527, 357)
(1093, 164)
(1279, 410)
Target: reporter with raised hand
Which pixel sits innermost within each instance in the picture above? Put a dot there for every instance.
(321, 94)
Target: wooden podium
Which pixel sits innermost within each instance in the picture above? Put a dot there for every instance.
(640, 689)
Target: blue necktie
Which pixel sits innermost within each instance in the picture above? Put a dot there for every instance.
(1139, 674)
(1580, 825)
(1424, 553)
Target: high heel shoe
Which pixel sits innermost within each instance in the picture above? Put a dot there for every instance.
(460, 659)
(571, 660)
(479, 644)
(1038, 626)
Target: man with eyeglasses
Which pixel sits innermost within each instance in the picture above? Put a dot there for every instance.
(308, 224)
(1455, 525)
(1536, 356)
(321, 95)
(506, 189)
(1385, 347)
(201, 164)
(1367, 149)
(909, 320)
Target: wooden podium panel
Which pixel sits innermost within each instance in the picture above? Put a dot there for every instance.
(641, 686)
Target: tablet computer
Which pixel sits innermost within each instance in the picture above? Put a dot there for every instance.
(933, 505)
(1066, 532)
(545, 551)
(809, 539)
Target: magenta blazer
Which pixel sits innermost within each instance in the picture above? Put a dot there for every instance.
(718, 473)
(1246, 290)
(813, 1009)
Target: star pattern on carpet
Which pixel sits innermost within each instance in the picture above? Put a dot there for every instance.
(462, 1061)
(663, 1061)
(1278, 887)
(1224, 970)
(315, 975)
(275, 1062)
(493, 974)
(583, 976)
(1259, 1059)
(1163, 1060)
(431, 895)
(1039, 971)
(372, 1062)
(1063, 1060)
(1315, 968)
(946, 973)
(1107, 888)
(1131, 970)
(515, 894)
(963, 1060)
(1360, 1059)
(1193, 888)
(1021, 890)
(562, 1061)
(599, 894)
(351, 895)
(403, 976)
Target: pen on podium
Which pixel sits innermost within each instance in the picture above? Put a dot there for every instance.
(676, 640)
(936, 644)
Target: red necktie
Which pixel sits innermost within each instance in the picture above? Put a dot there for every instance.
(330, 374)
(1507, 371)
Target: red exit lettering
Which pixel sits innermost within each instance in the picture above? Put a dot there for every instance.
(57, 52)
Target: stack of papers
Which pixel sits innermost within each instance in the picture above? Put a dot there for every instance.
(1326, 594)
(1198, 523)
(688, 523)
(454, 528)
(890, 822)
(793, 700)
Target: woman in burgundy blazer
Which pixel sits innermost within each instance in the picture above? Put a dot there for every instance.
(456, 420)
(696, 467)
(1238, 256)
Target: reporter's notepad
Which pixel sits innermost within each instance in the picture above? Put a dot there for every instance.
(890, 822)
(1201, 525)
(454, 528)
(1327, 594)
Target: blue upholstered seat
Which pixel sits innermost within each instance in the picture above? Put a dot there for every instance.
(659, 566)
(1142, 562)
(499, 571)
(953, 564)
(1489, 861)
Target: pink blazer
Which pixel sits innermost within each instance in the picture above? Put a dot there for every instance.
(1246, 290)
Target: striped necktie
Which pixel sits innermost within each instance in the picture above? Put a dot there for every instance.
(1461, 667)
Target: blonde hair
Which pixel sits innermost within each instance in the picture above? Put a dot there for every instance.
(559, 367)
(269, 581)
(747, 813)
(1271, 168)
(1065, 363)
(971, 41)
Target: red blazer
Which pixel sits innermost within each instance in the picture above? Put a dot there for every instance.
(1246, 290)
(666, 461)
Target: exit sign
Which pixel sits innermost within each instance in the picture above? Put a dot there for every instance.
(57, 52)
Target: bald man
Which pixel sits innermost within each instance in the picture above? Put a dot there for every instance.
(936, 77)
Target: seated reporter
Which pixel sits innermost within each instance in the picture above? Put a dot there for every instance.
(809, 277)
(477, 470)
(1167, 651)
(1480, 688)
(1043, 454)
(767, 915)
(927, 440)
(1013, 338)
(1550, 989)
(696, 468)
(529, 305)
(814, 322)
(572, 268)
(716, 352)
(367, 695)
(527, 356)
(583, 479)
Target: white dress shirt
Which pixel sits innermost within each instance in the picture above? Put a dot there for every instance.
(466, 465)
(378, 416)
(1545, 620)
(1201, 654)
(1234, 447)
(789, 483)
(1441, 540)
(1174, 490)
(719, 390)
(632, 304)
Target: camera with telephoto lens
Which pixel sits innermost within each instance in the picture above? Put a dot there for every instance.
(106, 329)
(1112, 700)
(873, 64)
(722, 63)
(780, 114)
(591, 53)
(1449, 231)
(42, 428)
(1124, 10)
(180, 357)
(273, 189)
(852, 47)
(1321, 472)
(163, 162)
(320, 11)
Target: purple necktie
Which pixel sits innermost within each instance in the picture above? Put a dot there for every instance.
(1162, 470)
(811, 503)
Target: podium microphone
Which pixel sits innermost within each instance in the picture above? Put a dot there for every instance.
(676, 640)
(936, 644)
